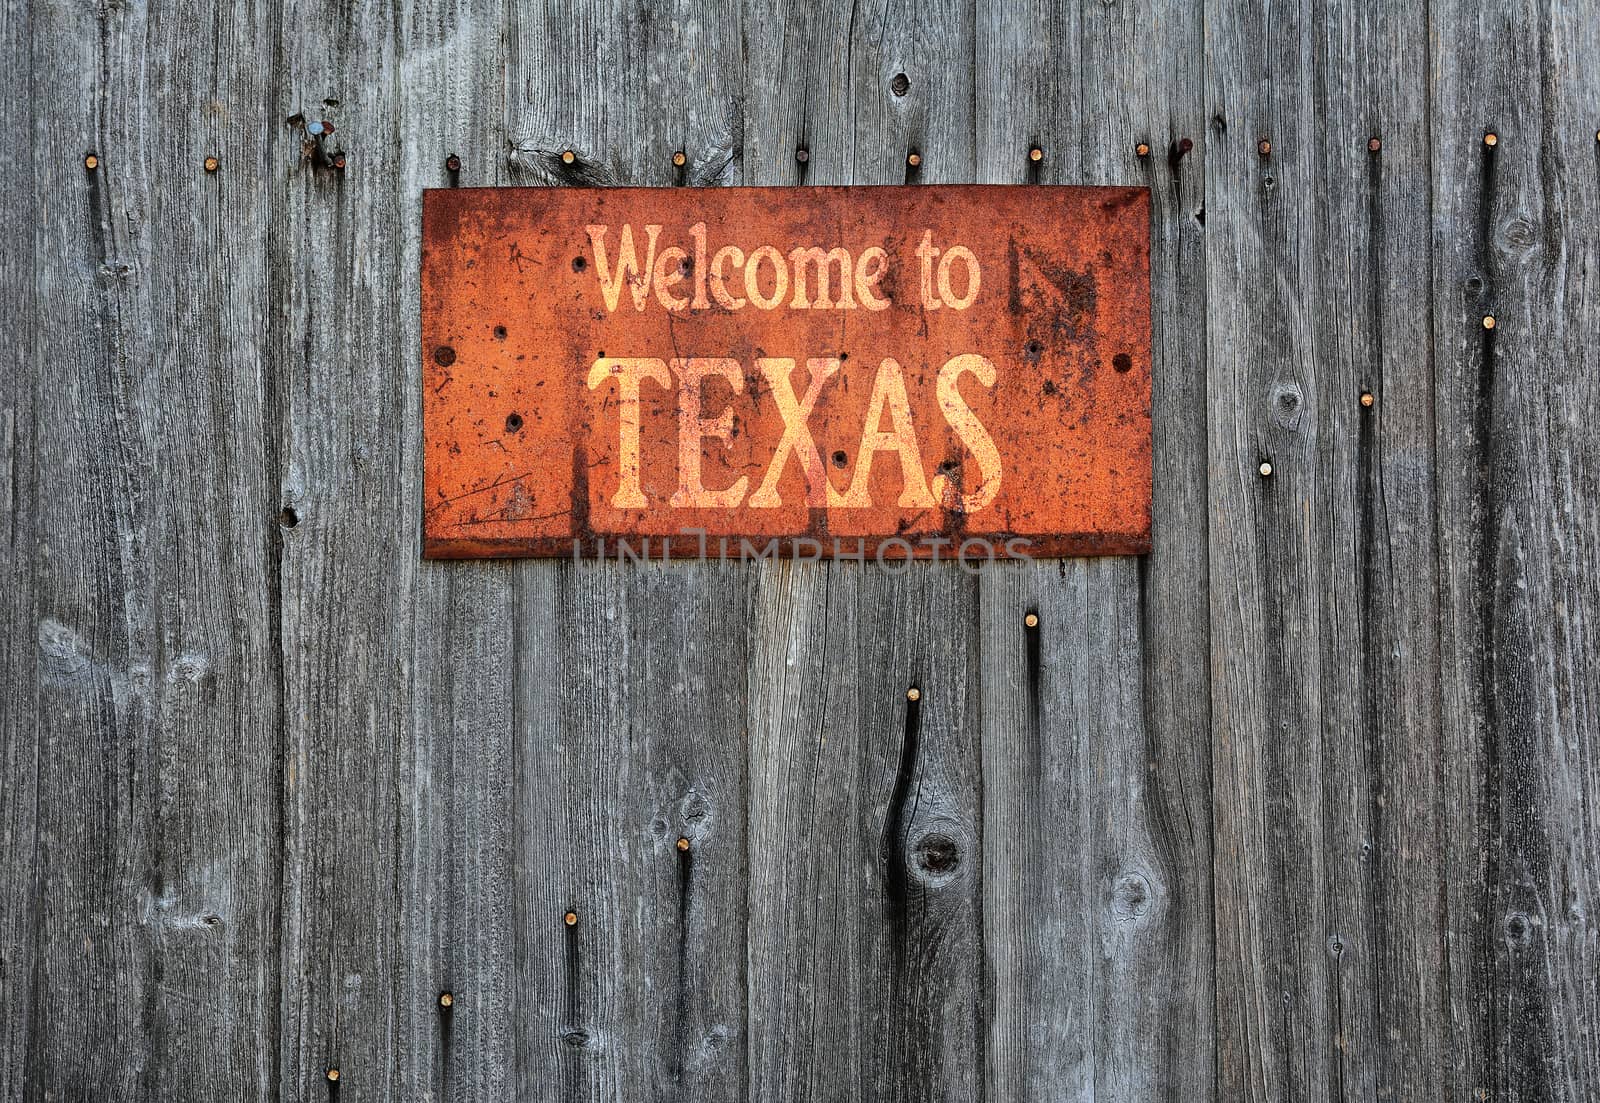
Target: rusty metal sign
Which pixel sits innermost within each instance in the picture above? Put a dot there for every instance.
(878, 371)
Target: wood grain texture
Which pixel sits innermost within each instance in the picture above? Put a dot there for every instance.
(19, 684)
(636, 726)
(1515, 238)
(1299, 806)
(1097, 816)
(866, 936)
(151, 521)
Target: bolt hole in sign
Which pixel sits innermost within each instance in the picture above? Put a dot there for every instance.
(836, 372)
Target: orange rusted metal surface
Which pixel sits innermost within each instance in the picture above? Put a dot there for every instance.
(886, 371)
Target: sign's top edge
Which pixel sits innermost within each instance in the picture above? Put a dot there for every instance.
(734, 188)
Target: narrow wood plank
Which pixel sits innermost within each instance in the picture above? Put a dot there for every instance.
(90, 621)
(1515, 239)
(865, 940)
(344, 359)
(455, 990)
(575, 982)
(1098, 817)
(628, 694)
(1153, 853)
(152, 556)
(1381, 799)
(1276, 1013)
(19, 486)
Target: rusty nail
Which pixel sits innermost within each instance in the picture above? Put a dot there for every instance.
(333, 1075)
(570, 919)
(1597, 135)
(212, 164)
(683, 843)
(1366, 398)
(1265, 469)
(1264, 147)
(679, 158)
(91, 162)
(1488, 321)
(913, 694)
(1491, 139)
(1036, 154)
(453, 163)
(568, 157)
(913, 158)
(1177, 152)
(802, 154)
(1142, 149)
(327, 127)
(1031, 620)
(1374, 144)
(338, 161)
(446, 1000)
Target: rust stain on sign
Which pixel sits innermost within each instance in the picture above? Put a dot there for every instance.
(831, 371)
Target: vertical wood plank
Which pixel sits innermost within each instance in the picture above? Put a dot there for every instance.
(1515, 239)
(90, 621)
(1381, 796)
(156, 705)
(1098, 894)
(628, 696)
(865, 939)
(345, 366)
(458, 938)
(1275, 1008)
(1326, 782)
(19, 487)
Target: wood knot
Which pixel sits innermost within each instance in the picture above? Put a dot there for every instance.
(1131, 897)
(1287, 403)
(937, 855)
(1518, 236)
(1519, 928)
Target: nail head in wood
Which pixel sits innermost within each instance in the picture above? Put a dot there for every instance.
(333, 1075)
(913, 158)
(570, 919)
(1031, 620)
(913, 694)
(679, 158)
(683, 843)
(568, 157)
(91, 162)
(1264, 147)
(212, 164)
(1036, 155)
(1366, 398)
(1265, 469)
(338, 162)
(1491, 139)
(453, 163)
(802, 154)
(1142, 149)
(1488, 321)
(1374, 144)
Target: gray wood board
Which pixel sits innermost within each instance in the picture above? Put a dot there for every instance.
(1301, 805)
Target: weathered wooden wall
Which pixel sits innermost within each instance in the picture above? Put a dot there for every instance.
(1305, 805)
